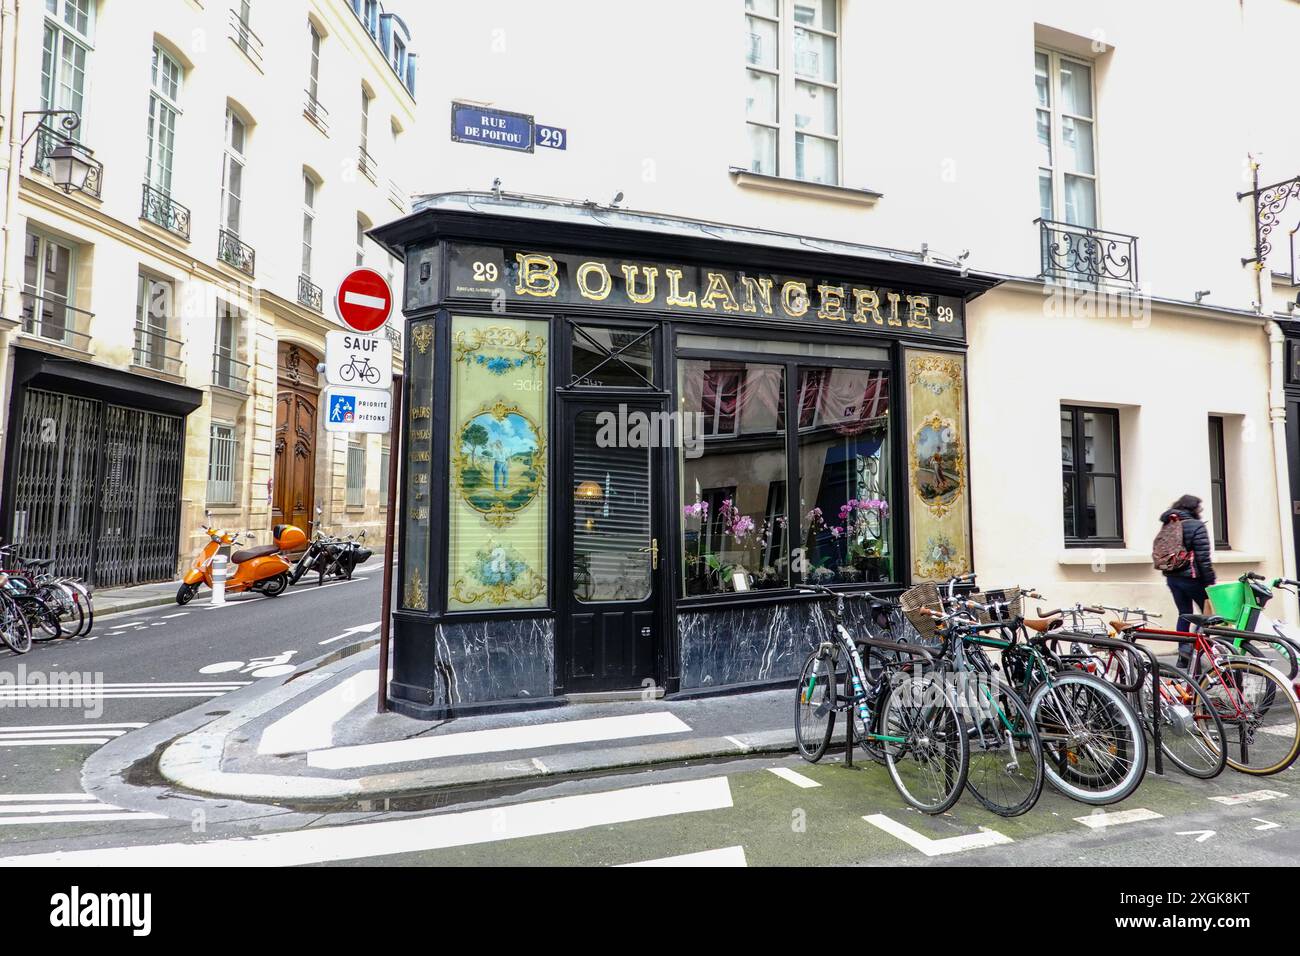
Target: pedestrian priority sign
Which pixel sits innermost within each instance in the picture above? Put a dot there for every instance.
(358, 409)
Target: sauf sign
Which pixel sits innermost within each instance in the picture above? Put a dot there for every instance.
(499, 273)
(358, 363)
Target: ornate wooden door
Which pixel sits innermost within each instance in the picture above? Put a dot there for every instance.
(298, 394)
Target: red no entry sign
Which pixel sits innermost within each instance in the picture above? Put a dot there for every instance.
(363, 300)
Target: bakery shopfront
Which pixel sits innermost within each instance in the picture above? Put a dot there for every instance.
(627, 440)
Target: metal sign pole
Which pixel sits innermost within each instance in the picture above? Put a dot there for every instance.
(386, 607)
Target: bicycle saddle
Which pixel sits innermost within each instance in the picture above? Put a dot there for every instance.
(1042, 624)
(1120, 627)
(1206, 620)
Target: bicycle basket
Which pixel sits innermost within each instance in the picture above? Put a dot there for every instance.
(913, 600)
(1010, 597)
(1227, 600)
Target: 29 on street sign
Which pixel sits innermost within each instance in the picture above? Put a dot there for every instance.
(351, 409)
(355, 359)
(363, 300)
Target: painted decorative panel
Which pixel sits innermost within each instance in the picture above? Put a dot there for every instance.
(938, 483)
(497, 514)
(414, 594)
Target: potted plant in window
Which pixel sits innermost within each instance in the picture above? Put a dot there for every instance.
(864, 523)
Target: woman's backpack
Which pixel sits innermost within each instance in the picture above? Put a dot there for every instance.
(1167, 551)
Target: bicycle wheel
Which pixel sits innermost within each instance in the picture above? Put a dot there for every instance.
(81, 595)
(925, 744)
(347, 372)
(1260, 714)
(814, 712)
(1277, 652)
(14, 631)
(60, 598)
(42, 619)
(1006, 754)
(1095, 749)
(1191, 730)
(371, 375)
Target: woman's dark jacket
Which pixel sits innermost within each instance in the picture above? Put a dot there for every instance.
(1196, 539)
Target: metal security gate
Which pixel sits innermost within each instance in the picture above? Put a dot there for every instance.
(97, 488)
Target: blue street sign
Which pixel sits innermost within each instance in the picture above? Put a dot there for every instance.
(343, 408)
(552, 136)
(489, 127)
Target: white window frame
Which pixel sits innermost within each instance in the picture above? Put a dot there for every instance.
(308, 220)
(787, 80)
(385, 462)
(67, 37)
(356, 475)
(231, 443)
(1056, 116)
(164, 112)
(313, 65)
(233, 156)
(361, 242)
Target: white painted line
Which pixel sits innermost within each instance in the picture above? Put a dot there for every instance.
(72, 727)
(794, 777)
(528, 737)
(57, 734)
(57, 808)
(739, 743)
(311, 726)
(187, 685)
(727, 856)
(1101, 819)
(539, 765)
(168, 617)
(415, 835)
(919, 841)
(1253, 796)
(359, 629)
(80, 818)
(1266, 825)
(52, 742)
(360, 298)
(1201, 835)
(44, 797)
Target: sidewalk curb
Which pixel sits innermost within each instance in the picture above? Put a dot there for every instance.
(160, 601)
(193, 761)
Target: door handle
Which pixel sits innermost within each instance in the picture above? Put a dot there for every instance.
(654, 553)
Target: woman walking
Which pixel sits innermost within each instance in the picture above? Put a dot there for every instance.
(1188, 574)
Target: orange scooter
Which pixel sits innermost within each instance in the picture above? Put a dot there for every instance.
(261, 568)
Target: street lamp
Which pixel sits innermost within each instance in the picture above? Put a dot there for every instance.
(70, 166)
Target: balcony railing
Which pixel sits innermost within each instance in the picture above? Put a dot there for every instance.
(396, 196)
(395, 336)
(228, 372)
(161, 210)
(243, 37)
(310, 294)
(366, 163)
(318, 114)
(52, 319)
(46, 141)
(235, 253)
(157, 351)
(1084, 254)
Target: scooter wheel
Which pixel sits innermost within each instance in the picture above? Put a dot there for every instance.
(276, 585)
(186, 594)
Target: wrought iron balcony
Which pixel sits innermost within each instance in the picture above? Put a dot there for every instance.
(366, 163)
(396, 196)
(310, 294)
(234, 253)
(47, 139)
(394, 335)
(318, 114)
(157, 351)
(228, 372)
(242, 35)
(52, 319)
(1084, 254)
(161, 210)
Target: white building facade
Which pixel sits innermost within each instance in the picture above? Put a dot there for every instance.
(163, 323)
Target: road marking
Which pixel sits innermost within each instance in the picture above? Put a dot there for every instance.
(51, 808)
(1267, 825)
(727, 856)
(416, 835)
(311, 726)
(78, 727)
(1100, 819)
(739, 743)
(125, 691)
(527, 737)
(79, 818)
(1253, 796)
(359, 629)
(43, 797)
(20, 809)
(919, 841)
(168, 617)
(1201, 835)
(794, 777)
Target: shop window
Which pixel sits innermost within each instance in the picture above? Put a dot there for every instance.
(499, 488)
(1218, 484)
(844, 478)
(612, 357)
(792, 102)
(1090, 476)
(729, 524)
(1065, 125)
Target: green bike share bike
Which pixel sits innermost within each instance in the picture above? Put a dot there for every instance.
(1241, 604)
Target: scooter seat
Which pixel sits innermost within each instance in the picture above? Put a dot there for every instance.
(248, 554)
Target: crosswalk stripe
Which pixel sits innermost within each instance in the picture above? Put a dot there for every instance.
(56, 808)
(79, 818)
(431, 832)
(131, 685)
(47, 727)
(502, 739)
(53, 742)
(55, 734)
(726, 856)
(43, 797)
(19, 809)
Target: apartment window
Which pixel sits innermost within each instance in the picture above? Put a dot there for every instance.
(365, 119)
(372, 16)
(308, 220)
(361, 242)
(47, 289)
(792, 102)
(384, 449)
(221, 464)
(67, 43)
(1218, 484)
(1066, 129)
(227, 370)
(232, 176)
(1090, 476)
(313, 73)
(164, 108)
(154, 306)
(356, 482)
(399, 57)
